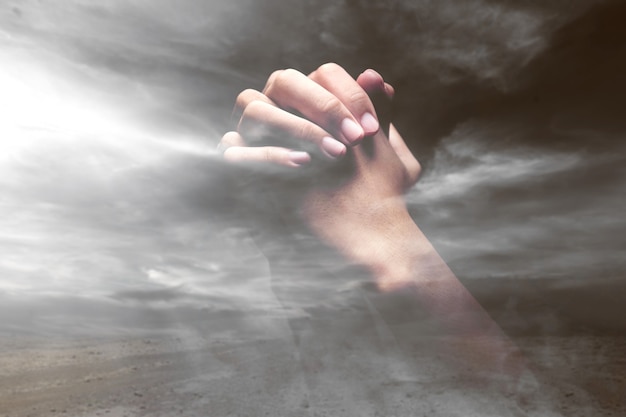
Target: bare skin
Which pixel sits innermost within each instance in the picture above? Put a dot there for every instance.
(365, 217)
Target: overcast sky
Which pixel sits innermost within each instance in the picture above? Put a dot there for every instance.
(110, 111)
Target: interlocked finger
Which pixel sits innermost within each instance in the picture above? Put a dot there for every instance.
(236, 150)
(340, 84)
(269, 154)
(229, 140)
(244, 99)
(262, 123)
(292, 90)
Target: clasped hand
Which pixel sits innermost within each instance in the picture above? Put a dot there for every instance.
(327, 120)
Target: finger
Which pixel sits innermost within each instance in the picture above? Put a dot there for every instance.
(336, 80)
(230, 139)
(372, 81)
(262, 121)
(379, 94)
(244, 98)
(412, 165)
(389, 90)
(291, 89)
(269, 154)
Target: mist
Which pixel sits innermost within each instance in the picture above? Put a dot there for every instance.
(117, 208)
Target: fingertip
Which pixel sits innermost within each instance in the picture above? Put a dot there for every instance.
(389, 90)
(369, 123)
(332, 148)
(373, 74)
(352, 131)
(298, 158)
(370, 81)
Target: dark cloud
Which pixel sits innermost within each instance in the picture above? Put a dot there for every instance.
(522, 211)
(109, 181)
(116, 211)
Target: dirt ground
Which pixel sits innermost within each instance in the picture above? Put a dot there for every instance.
(168, 376)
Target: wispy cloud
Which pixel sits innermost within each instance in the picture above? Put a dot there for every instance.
(464, 166)
(110, 112)
(520, 211)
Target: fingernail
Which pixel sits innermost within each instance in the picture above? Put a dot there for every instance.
(299, 158)
(352, 131)
(332, 147)
(369, 123)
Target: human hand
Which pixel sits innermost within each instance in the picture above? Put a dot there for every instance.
(361, 213)
(359, 210)
(303, 111)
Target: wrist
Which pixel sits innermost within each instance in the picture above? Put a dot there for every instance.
(400, 246)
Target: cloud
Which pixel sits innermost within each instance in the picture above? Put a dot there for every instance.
(520, 211)
(476, 166)
(114, 205)
(92, 196)
(106, 167)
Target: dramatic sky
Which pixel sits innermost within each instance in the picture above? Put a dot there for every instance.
(111, 111)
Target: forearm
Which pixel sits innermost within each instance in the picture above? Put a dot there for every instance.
(414, 269)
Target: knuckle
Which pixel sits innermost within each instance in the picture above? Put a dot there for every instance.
(229, 140)
(253, 109)
(359, 98)
(275, 74)
(250, 123)
(225, 142)
(306, 132)
(331, 106)
(284, 77)
(272, 79)
(280, 80)
(271, 154)
(245, 97)
(328, 69)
